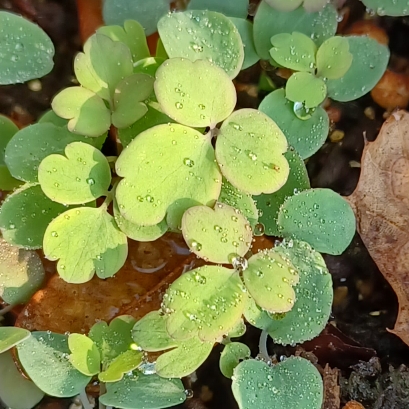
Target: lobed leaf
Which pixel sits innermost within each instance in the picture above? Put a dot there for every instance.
(125, 362)
(85, 356)
(392, 8)
(149, 65)
(306, 88)
(11, 336)
(7, 131)
(232, 354)
(231, 8)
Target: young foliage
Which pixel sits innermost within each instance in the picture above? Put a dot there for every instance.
(232, 354)
(203, 35)
(122, 364)
(26, 50)
(74, 239)
(192, 102)
(85, 356)
(11, 336)
(304, 87)
(390, 8)
(231, 8)
(44, 357)
(21, 273)
(290, 5)
(292, 384)
(320, 217)
(7, 131)
(249, 150)
(216, 235)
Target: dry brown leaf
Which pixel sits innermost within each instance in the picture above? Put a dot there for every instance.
(331, 388)
(352, 404)
(381, 206)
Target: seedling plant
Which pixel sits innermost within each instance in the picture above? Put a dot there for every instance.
(186, 162)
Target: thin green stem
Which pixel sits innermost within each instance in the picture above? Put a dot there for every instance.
(110, 195)
(84, 400)
(262, 346)
(6, 309)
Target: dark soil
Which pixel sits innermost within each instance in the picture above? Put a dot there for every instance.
(372, 361)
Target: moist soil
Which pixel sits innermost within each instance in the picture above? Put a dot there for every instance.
(373, 363)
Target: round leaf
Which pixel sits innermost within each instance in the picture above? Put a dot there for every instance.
(284, 5)
(85, 355)
(370, 60)
(44, 357)
(232, 354)
(21, 273)
(75, 239)
(231, 8)
(124, 363)
(249, 150)
(26, 50)
(216, 235)
(320, 217)
(147, 193)
(7, 130)
(189, 99)
(305, 88)
(80, 176)
(390, 8)
(11, 336)
(203, 35)
(292, 384)
(208, 301)
(270, 278)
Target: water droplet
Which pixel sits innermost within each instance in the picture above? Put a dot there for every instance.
(91, 181)
(179, 105)
(188, 162)
(54, 234)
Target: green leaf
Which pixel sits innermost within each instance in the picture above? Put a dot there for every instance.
(269, 22)
(16, 391)
(370, 60)
(306, 88)
(239, 200)
(314, 5)
(102, 65)
(44, 357)
(150, 333)
(292, 384)
(115, 339)
(190, 101)
(231, 8)
(284, 5)
(269, 204)
(238, 330)
(128, 99)
(132, 34)
(183, 360)
(148, 65)
(305, 134)
(11, 336)
(80, 176)
(216, 235)
(123, 363)
(74, 238)
(138, 391)
(320, 217)
(249, 150)
(392, 8)
(25, 215)
(295, 51)
(334, 58)
(26, 50)
(147, 13)
(165, 150)
(207, 301)
(21, 273)
(232, 354)
(270, 278)
(85, 356)
(85, 110)
(245, 29)
(160, 51)
(203, 35)
(7, 131)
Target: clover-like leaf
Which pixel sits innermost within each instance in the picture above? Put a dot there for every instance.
(269, 204)
(80, 176)
(147, 193)
(149, 65)
(249, 150)
(238, 330)
(203, 35)
(86, 111)
(207, 301)
(147, 13)
(390, 8)
(192, 101)
(132, 34)
(25, 215)
(125, 362)
(216, 235)
(74, 238)
(21, 273)
(231, 8)
(333, 58)
(11, 336)
(232, 354)
(292, 384)
(306, 88)
(284, 5)
(320, 217)
(137, 391)
(44, 357)
(295, 51)
(7, 131)
(319, 25)
(270, 278)
(26, 50)
(128, 97)
(85, 356)
(369, 62)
